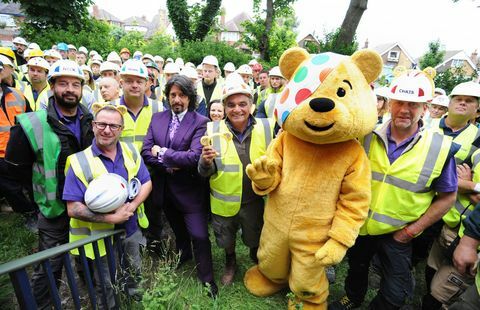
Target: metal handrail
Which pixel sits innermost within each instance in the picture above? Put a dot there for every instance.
(46, 254)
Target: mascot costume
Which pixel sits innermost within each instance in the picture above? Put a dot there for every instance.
(315, 173)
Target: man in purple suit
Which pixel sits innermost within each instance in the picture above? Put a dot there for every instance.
(172, 148)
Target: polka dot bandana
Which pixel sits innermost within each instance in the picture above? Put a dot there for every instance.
(305, 81)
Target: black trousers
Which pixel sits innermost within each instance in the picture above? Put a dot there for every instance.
(394, 257)
(12, 189)
(51, 233)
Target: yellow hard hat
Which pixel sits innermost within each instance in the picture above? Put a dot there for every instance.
(7, 51)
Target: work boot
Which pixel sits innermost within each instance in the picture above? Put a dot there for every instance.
(230, 267)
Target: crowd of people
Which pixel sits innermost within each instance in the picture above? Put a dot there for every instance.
(186, 134)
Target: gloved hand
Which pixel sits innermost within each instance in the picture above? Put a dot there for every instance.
(262, 172)
(331, 253)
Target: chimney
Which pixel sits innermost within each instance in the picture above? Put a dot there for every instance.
(474, 56)
(95, 11)
(366, 43)
(222, 17)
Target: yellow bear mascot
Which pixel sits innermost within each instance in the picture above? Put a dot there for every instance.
(316, 174)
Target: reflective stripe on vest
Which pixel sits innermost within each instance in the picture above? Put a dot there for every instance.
(36, 105)
(226, 183)
(216, 94)
(401, 191)
(87, 167)
(270, 104)
(14, 104)
(46, 146)
(134, 131)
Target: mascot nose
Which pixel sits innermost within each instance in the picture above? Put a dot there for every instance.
(322, 104)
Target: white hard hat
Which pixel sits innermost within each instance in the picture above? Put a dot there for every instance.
(229, 66)
(52, 53)
(158, 58)
(86, 68)
(234, 84)
(39, 62)
(440, 91)
(275, 71)
(71, 47)
(6, 61)
(20, 40)
(179, 61)
(210, 60)
(97, 57)
(189, 72)
(92, 52)
(65, 68)
(96, 61)
(244, 69)
(171, 68)
(34, 46)
(413, 86)
(466, 89)
(113, 56)
(169, 59)
(109, 66)
(252, 62)
(148, 56)
(83, 49)
(442, 100)
(190, 64)
(382, 91)
(106, 193)
(134, 67)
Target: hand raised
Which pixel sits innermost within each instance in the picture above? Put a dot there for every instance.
(262, 172)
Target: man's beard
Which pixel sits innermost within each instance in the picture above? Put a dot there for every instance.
(67, 103)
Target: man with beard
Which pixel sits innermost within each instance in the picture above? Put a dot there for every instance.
(40, 144)
(20, 47)
(272, 94)
(209, 89)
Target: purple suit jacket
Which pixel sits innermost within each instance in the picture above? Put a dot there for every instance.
(185, 187)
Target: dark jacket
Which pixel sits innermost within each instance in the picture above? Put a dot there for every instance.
(20, 153)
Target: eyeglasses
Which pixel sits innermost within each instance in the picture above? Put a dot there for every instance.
(113, 127)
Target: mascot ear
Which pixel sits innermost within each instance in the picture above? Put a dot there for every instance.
(291, 60)
(369, 62)
(97, 107)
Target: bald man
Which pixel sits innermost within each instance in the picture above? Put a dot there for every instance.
(109, 89)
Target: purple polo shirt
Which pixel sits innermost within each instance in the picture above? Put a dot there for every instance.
(73, 125)
(74, 189)
(446, 182)
(134, 117)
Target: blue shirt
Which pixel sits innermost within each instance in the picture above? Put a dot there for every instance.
(73, 125)
(447, 181)
(134, 117)
(447, 131)
(74, 189)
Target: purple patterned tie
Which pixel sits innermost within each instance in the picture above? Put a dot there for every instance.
(174, 126)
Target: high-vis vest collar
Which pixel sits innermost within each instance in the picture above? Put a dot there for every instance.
(42, 98)
(226, 183)
(401, 191)
(87, 167)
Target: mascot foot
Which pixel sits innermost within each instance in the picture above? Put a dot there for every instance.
(295, 303)
(259, 285)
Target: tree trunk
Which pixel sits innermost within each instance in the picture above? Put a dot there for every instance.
(264, 44)
(351, 21)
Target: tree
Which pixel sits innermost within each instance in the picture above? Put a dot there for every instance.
(329, 43)
(258, 33)
(160, 44)
(133, 40)
(434, 56)
(350, 23)
(41, 14)
(192, 23)
(450, 78)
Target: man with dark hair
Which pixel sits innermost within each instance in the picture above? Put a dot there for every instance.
(41, 143)
(172, 148)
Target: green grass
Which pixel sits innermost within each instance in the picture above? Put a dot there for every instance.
(15, 242)
(169, 288)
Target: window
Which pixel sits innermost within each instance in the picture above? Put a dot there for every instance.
(393, 56)
(457, 63)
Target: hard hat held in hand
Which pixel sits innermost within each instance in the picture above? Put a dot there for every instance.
(412, 85)
(106, 193)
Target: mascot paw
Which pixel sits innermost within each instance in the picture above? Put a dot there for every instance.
(259, 285)
(331, 253)
(262, 172)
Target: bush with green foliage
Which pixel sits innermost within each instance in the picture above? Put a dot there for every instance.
(450, 78)
(329, 44)
(195, 51)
